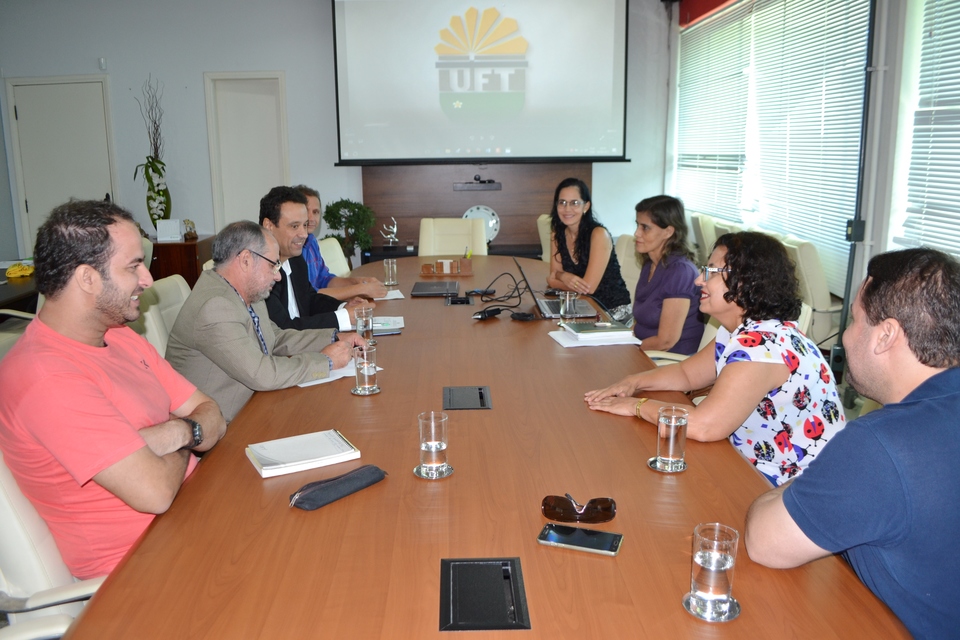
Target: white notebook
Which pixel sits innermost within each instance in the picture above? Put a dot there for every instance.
(299, 453)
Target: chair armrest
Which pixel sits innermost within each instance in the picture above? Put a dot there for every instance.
(17, 314)
(51, 597)
(38, 628)
(834, 308)
(661, 358)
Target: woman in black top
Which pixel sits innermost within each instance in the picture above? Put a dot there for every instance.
(581, 251)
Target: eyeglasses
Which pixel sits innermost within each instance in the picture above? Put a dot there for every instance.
(566, 509)
(573, 204)
(706, 271)
(276, 263)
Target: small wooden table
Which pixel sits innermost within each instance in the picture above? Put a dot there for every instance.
(231, 559)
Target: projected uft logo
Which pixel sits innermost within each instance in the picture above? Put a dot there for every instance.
(482, 65)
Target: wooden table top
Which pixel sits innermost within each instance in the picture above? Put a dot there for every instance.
(231, 559)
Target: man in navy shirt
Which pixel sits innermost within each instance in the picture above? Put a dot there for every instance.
(886, 492)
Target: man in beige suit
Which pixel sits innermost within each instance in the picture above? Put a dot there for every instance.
(223, 340)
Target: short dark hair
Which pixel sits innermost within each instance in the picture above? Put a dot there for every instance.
(234, 238)
(920, 289)
(667, 211)
(761, 278)
(307, 191)
(588, 222)
(270, 204)
(76, 233)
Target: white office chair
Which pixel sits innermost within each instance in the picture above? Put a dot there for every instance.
(709, 232)
(626, 249)
(661, 358)
(159, 307)
(37, 592)
(543, 228)
(147, 244)
(208, 265)
(332, 254)
(452, 236)
(11, 328)
(825, 321)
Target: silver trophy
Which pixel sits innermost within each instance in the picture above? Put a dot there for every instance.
(390, 239)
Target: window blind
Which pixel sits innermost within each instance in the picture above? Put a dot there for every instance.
(797, 121)
(932, 215)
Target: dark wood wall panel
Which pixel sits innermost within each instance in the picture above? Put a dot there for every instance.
(409, 193)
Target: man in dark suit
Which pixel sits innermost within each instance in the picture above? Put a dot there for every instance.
(293, 302)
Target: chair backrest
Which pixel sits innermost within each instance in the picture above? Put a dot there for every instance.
(626, 249)
(708, 230)
(806, 315)
(159, 307)
(543, 228)
(29, 558)
(12, 325)
(208, 265)
(147, 251)
(333, 257)
(698, 239)
(452, 236)
(722, 227)
(814, 290)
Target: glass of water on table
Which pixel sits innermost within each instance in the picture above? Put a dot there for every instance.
(433, 446)
(364, 317)
(711, 573)
(365, 359)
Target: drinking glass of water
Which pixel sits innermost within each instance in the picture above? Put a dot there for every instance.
(568, 305)
(711, 575)
(671, 440)
(433, 446)
(365, 360)
(364, 316)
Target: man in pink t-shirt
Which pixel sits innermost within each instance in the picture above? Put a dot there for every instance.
(96, 427)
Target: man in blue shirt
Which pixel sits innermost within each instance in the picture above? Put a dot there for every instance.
(885, 493)
(319, 275)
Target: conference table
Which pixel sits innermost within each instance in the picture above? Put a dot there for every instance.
(232, 559)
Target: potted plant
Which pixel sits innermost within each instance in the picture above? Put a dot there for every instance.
(154, 170)
(354, 219)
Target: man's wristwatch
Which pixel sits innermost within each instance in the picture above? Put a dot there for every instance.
(197, 433)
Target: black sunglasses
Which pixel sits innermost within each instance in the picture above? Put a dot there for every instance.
(566, 509)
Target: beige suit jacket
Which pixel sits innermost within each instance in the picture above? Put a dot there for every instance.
(214, 345)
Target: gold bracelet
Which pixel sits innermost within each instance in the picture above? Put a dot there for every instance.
(640, 404)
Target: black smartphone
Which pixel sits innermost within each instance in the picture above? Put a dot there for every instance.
(605, 543)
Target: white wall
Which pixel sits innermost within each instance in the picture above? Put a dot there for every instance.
(178, 40)
(618, 187)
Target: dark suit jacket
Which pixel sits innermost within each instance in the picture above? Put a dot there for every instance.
(316, 309)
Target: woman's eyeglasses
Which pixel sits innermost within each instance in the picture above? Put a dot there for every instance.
(706, 271)
(566, 509)
(276, 263)
(573, 204)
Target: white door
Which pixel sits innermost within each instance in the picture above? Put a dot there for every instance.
(61, 146)
(247, 131)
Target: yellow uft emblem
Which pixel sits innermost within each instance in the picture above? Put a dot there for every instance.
(482, 65)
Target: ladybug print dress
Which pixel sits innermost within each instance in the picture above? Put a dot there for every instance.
(795, 421)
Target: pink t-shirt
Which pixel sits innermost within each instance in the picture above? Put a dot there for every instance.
(69, 411)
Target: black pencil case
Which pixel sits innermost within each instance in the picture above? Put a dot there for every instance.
(314, 495)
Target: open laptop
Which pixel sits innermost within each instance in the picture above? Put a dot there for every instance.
(436, 288)
(550, 307)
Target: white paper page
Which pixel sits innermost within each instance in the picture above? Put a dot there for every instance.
(349, 371)
(393, 294)
(565, 340)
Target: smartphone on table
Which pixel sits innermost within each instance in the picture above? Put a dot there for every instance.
(606, 543)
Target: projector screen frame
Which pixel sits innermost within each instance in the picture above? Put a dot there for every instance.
(623, 32)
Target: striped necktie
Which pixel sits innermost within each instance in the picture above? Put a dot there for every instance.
(256, 326)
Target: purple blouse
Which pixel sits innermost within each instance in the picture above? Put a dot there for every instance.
(672, 280)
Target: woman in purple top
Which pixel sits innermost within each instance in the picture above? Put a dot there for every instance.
(666, 304)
